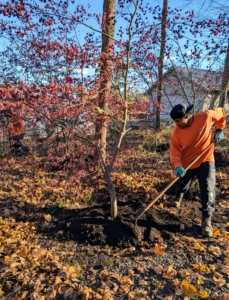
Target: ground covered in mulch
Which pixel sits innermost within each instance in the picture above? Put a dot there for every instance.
(52, 251)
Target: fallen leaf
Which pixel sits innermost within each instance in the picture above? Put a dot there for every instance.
(183, 273)
(48, 217)
(142, 282)
(23, 296)
(126, 280)
(127, 250)
(214, 295)
(115, 275)
(189, 289)
(106, 296)
(137, 295)
(131, 272)
(146, 244)
(169, 272)
(23, 252)
(219, 281)
(216, 232)
(203, 294)
(15, 265)
(225, 296)
(226, 261)
(200, 281)
(6, 259)
(74, 271)
(204, 268)
(158, 270)
(131, 296)
(215, 250)
(57, 280)
(198, 247)
(158, 250)
(142, 270)
(69, 294)
(124, 288)
(104, 274)
(160, 205)
(224, 269)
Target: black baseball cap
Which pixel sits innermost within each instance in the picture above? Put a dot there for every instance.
(180, 110)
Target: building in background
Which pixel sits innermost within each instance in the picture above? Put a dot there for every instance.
(191, 86)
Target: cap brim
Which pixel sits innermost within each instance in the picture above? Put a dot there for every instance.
(189, 108)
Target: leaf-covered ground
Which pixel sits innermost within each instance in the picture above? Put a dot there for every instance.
(59, 242)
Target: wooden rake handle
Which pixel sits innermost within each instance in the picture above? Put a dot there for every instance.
(168, 186)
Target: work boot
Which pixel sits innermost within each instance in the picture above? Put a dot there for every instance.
(207, 230)
(176, 202)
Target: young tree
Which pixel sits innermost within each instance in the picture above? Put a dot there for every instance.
(225, 80)
(161, 62)
(106, 66)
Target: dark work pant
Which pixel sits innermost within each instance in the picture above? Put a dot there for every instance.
(206, 178)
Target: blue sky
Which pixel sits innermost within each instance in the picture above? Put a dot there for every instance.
(96, 6)
(201, 7)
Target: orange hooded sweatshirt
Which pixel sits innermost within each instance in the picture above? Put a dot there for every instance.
(187, 143)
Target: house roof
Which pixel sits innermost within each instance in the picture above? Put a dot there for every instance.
(207, 79)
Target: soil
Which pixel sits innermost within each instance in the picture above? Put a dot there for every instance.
(93, 225)
(99, 243)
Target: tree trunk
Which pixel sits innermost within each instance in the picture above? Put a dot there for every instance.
(105, 72)
(106, 75)
(225, 80)
(112, 192)
(161, 64)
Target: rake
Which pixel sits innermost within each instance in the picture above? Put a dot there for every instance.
(141, 212)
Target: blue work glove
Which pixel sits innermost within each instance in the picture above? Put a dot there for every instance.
(180, 171)
(219, 135)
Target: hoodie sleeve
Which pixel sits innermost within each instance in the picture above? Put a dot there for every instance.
(219, 117)
(175, 152)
